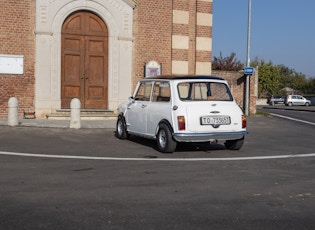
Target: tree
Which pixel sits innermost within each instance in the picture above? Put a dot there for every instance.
(269, 81)
(271, 78)
(293, 79)
(310, 89)
(229, 63)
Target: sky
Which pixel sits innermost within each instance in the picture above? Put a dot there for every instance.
(282, 31)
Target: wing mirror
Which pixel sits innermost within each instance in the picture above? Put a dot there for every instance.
(132, 99)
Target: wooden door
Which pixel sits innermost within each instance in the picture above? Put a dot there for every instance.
(84, 61)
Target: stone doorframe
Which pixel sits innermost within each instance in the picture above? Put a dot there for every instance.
(50, 16)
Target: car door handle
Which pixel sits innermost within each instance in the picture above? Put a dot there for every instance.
(143, 106)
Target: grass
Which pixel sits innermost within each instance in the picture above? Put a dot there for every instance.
(262, 113)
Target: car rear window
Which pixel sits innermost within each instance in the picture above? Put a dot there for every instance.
(204, 91)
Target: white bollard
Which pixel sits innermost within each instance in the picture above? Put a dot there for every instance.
(75, 119)
(13, 114)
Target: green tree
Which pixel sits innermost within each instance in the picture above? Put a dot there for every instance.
(293, 79)
(271, 78)
(269, 81)
(310, 89)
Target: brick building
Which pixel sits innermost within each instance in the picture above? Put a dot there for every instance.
(96, 50)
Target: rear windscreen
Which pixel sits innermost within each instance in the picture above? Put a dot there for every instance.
(203, 91)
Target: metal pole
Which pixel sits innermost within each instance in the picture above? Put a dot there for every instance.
(248, 58)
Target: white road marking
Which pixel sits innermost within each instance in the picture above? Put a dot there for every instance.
(292, 119)
(157, 159)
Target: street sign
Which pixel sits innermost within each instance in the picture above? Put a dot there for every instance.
(248, 70)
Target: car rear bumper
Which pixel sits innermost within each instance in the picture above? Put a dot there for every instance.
(204, 137)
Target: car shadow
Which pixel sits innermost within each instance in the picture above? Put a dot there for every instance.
(182, 146)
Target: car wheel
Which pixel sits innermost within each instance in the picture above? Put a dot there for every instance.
(307, 104)
(234, 144)
(165, 142)
(290, 104)
(121, 130)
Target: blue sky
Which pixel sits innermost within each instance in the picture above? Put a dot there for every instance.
(282, 31)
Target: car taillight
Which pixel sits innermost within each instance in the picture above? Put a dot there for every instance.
(181, 123)
(243, 121)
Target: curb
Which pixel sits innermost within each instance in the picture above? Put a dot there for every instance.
(44, 123)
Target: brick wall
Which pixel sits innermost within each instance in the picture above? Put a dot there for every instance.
(192, 34)
(236, 81)
(17, 22)
(152, 32)
(175, 33)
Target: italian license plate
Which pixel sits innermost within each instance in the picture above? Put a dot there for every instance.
(215, 120)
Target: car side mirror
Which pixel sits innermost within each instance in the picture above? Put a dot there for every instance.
(132, 99)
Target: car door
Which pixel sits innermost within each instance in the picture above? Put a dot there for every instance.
(300, 100)
(137, 110)
(294, 100)
(160, 106)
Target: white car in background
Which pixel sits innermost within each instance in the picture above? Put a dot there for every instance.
(172, 109)
(296, 100)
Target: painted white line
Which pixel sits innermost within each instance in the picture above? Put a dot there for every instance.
(157, 159)
(292, 119)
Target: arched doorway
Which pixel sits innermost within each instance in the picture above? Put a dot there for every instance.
(84, 61)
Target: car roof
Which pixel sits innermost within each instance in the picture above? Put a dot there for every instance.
(184, 77)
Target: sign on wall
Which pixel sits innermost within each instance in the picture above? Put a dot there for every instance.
(11, 64)
(152, 69)
(248, 70)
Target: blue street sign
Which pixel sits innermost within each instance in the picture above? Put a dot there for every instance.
(248, 70)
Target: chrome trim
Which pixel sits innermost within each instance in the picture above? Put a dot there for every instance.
(204, 137)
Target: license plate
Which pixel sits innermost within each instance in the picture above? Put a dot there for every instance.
(215, 120)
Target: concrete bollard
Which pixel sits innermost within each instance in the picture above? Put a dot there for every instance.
(75, 119)
(13, 114)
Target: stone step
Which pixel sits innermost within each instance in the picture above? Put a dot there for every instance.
(86, 114)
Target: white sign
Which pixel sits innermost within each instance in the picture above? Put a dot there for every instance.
(11, 64)
(152, 69)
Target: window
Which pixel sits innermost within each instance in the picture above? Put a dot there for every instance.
(203, 91)
(144, 91)
(161, 92)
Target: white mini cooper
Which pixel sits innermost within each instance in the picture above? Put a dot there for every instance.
(172, 109)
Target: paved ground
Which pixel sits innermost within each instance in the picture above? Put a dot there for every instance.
(157, 191)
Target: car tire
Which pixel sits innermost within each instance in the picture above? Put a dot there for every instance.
(307, 104)
(290, 104)
(121, 128)
(234, 144)
(164, 139)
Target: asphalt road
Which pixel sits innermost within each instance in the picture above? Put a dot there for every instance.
(116, 184)
(298, 112)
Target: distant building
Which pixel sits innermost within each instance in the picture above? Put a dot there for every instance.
(288, 90)
(54, 50)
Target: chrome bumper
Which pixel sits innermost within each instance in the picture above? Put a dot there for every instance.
(204, 137)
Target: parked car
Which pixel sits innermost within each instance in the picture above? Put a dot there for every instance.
(275, 100)
(296, 100)
(172, 109)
